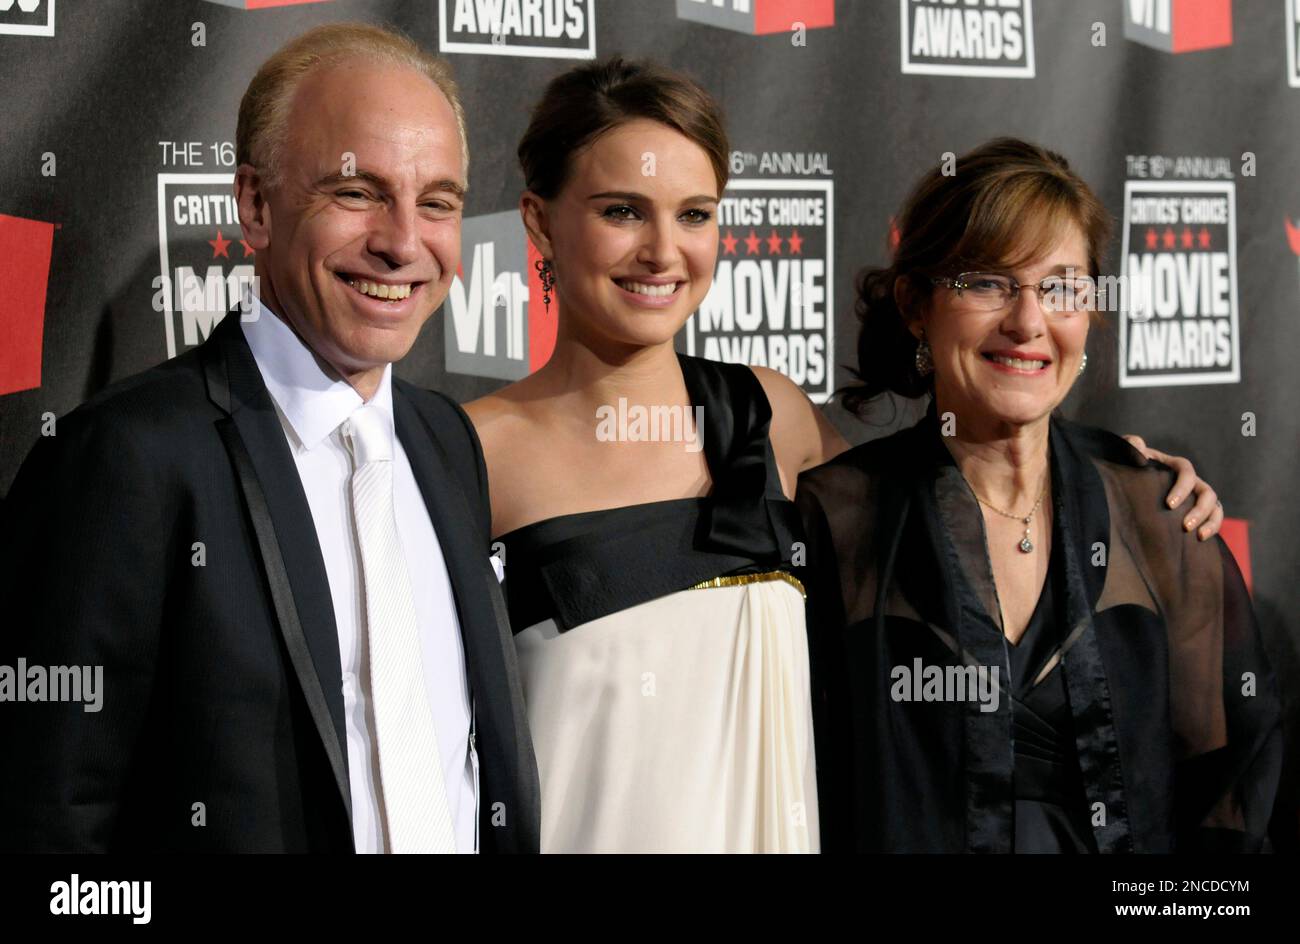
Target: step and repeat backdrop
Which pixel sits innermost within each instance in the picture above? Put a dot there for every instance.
(120, 243)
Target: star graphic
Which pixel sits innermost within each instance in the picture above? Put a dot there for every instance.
(1187, 237)
(1203, 237)
(1169, 238)
(774, 244)
(220, 247)
(729, 243)
(248, 250)
(796, 243)
(751, 243)
(1152, 239)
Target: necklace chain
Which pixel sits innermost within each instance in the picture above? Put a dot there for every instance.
(1025, 544)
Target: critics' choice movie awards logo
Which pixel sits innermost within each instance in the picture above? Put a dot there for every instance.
(495, 320)
(968, 37)
(1293, 42)
(27, 17)
(1178, 319)
(1178, 25)
(562, 29)
(759, 17)
(205, 264)
(770, 303)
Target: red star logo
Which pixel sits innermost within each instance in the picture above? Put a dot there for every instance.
(751, 243)
(774, 244)
(1187, 237)
(1169, 238)
(220, 247)
(1152, 239)
(1203, 237)
(248, 250)
(796, 242)
(729, 244)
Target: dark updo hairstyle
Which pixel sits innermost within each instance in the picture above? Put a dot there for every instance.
(581, 104)
(1008, 202)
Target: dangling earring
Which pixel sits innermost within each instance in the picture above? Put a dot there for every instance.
(924, 358)
(1083, 364)
(547, 274)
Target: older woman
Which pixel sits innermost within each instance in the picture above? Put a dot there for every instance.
(1015, 648)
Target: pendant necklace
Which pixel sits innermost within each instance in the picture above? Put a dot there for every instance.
(1025, 544)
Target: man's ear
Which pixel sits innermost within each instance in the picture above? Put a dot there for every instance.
(532, 209)
(254, 210)
(905, 302)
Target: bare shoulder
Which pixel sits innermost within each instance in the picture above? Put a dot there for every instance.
(801, 434)
(486, 409)
(500, 411)
(782, 392)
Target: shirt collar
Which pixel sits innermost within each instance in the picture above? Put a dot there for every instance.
(312, 402)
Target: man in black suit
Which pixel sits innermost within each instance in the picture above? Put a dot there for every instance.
(277, 553)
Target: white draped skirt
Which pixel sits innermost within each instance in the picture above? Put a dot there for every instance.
(680, 725)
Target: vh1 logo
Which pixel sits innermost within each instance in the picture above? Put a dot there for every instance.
(497, 324)
(26, 249)
(1179, 25)
(759, 17)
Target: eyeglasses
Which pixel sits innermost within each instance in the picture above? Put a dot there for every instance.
(1062, 295)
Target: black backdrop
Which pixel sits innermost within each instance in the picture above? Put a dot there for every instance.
(116, 118)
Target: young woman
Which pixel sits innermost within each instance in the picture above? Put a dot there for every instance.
(659, 626)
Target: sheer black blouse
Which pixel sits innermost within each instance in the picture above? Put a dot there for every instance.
(1157, 731)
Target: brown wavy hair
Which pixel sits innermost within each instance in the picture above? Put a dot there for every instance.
(1007, 202)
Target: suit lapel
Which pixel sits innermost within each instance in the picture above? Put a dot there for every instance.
(285, 533)
(506, 753)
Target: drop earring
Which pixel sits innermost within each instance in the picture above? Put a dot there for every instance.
(924, 357)
(547, 275)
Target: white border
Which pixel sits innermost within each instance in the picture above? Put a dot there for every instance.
(1011, 72)
(16, 29)
(799, 183)
(1292, 22)
(537, 52)
(164, 261)
(1229, 188)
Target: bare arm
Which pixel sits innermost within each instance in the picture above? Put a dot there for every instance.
(802, 437)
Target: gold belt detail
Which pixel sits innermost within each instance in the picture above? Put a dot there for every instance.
(740, 580)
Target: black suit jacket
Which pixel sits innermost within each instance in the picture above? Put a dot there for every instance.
(221, 719)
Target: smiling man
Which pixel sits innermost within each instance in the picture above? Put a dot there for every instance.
(277, 551)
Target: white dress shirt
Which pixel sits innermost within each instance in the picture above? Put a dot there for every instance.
(311, 406)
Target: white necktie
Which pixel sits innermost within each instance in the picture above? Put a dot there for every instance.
(410, 767)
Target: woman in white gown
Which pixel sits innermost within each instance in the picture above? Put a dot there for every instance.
(659, 628)
(652, 572)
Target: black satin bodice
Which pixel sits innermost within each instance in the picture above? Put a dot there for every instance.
(580, 567)
(1050, 811)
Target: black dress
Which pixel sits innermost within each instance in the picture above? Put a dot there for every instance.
(1050, 811)
(1159, 730)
